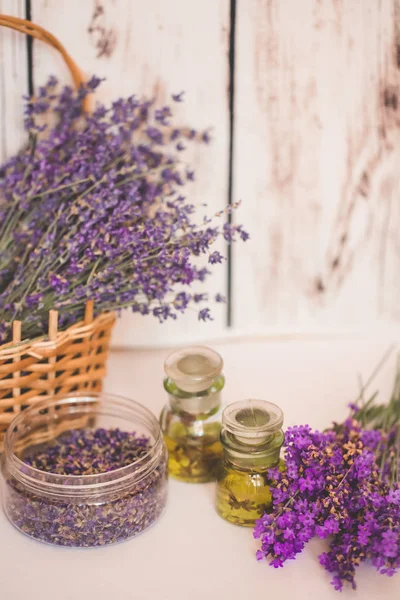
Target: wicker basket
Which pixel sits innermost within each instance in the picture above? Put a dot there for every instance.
(63, 361)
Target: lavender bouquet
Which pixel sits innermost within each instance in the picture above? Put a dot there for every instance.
(343, 485)
(93, 208)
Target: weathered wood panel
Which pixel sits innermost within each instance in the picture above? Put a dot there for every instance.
(316, 141)
(13, 81)
(155, 48)
(317, 163)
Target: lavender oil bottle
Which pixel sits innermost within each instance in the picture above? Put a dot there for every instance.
(191, 422)
(251, 438)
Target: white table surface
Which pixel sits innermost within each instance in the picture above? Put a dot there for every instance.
(191, 553)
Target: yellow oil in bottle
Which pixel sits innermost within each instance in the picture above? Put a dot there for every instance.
(243, 496)
(192, 459)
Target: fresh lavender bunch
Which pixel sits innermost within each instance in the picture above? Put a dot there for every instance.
(341, 484)
(93, 208)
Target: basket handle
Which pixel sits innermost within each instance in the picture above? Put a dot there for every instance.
(45, 36)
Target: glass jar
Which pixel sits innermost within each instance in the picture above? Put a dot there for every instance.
(86, 509)
(191, 422)
(251, 438)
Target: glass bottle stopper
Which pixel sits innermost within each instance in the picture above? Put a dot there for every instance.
(193, 369)
(252, 422)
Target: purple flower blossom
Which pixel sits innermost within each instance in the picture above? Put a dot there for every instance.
(333, 489)
(393, 496)
(199, 298)
(92, 84)
(161, 115)
(244, 236)
(204, 315)
(178, 97)
(58, 283)
(155, 135)
(102, 217)
(175, 134)
(215, 258)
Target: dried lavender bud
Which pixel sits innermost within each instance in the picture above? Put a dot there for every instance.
(83, 520)
(89, 451)
(118, 228)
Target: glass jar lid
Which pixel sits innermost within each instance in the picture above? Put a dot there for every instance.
(193, 369)
(252, 421)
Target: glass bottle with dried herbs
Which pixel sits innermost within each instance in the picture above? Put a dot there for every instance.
(251, 438)
(191, 422)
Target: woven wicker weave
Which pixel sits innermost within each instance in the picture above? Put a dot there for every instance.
(61, 362)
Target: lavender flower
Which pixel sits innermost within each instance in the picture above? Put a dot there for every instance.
(92, 208)
(341, 484)
(178, 97)
(204, 315)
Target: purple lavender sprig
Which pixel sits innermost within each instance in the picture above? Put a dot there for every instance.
(93, 208)
(341, 484)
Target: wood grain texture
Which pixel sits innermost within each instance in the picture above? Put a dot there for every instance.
(156, 48)
(316, 142)
(317, 157)
(13, 81)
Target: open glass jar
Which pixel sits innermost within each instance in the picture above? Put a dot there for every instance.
(191, 422)
(251, 438)
(86, 509)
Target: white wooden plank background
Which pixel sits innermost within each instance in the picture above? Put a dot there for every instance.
(316, 160)
(316, 143)
(13, 81)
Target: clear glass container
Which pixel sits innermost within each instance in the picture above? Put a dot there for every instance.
(83, 510)
(191, 422)
(251, 438)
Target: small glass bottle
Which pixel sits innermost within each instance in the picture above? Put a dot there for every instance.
(191, 423)
(251, 438)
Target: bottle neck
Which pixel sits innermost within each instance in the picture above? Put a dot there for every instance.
(203, 403)
(252, 457)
